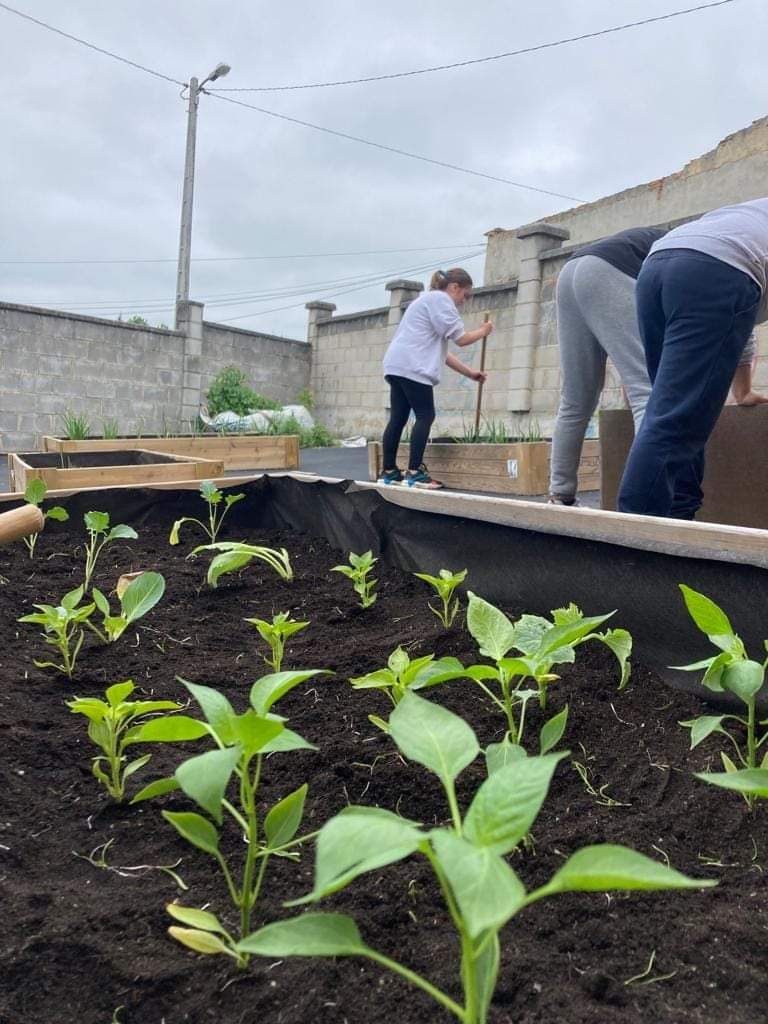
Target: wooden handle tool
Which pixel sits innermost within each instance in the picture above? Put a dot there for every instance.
(20, 522)
(486, 318)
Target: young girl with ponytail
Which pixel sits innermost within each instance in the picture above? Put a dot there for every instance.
(413, 365)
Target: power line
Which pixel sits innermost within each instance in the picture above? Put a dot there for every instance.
(482, 60)
(54, 260)
(91, 46)
(394, 149)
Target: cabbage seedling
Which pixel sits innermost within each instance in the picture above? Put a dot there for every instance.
(402, 675)
(210, 494)
(276, 633)
(242, 744)
(136, 599)
(729, 671)
(358, 569)
(116, 723)
(99, 535)
(235, 555)
(481, 891)
(34, 495)
(62, 625)
(444, 586)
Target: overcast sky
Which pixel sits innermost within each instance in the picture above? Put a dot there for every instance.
(93, 150)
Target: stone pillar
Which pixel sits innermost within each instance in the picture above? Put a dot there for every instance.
(400, 291)
(189, 320)
(532, 241)
(319, 312)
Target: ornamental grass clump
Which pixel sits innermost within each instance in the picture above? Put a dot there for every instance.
(99, 535)
(213, 497)
(235, 555)
(444, 586)
(482, 893)
(34, 495)
(63, 628)
(358, 570)
(275, 633)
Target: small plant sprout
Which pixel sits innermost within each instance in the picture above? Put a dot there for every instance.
(99, 535)
(402, 675)
(481, 891)
(136, 597)
(358, 569)
(729, 671)
(34, 495)
(236, 555)
(541, 645)
(110, 429)
(77, 426)
(242, 744)
(117, 723)
(63, 628)
(213, 497)
(275, 633)
(444, 586)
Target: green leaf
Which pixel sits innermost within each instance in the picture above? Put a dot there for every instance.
(158, 788)
(227, 561)
(205, 778)
(499, 755)
(749, 781)
(486, 967)
(96, 522)
(507, 803)
(433, 737)
(269, 689)
(195, 918)
(744, 678)
(285, 742)
(117, 693)
(440, 671)
(620, 642)
(358, 840)
(200, 942)
(487, 890)
(529, 629)
(35, 491)
(708, 616)
(231, 499)
(172, 729)
(59, 514)
(569, 634)
(490, 627)
(606, 867)
(122, 532)
(71, 600)
(217, 710)
(134, 766)
(308, 935)
(282, 822)
(552, 731)
(173, 538)
(142, 594)
(702, 727)
(398, 661)
(195, 829)
(253, 732)
(101, 602)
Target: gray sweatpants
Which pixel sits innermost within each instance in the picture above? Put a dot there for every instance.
(596, 318)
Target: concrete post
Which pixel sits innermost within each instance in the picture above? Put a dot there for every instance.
(532, 240)
(319, 313)
(400, 291)
(189, 320)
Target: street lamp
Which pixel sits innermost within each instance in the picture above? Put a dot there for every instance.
(185, 235)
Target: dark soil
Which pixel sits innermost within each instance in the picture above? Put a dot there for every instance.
(78, 940)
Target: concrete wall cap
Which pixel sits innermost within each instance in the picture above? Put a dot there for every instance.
(401, 284)
(317, 304)
(540, 228)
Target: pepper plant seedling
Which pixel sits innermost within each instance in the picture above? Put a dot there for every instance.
(62, 625)
(138, 597)
(213, 497)
(99, 535)
(444, 586)
(276, 633)
(116, 723)
(236, 555)
(729, 671)
(481, 891)
(242, 744)
(402, 675)
(358, 569)
(34, 495)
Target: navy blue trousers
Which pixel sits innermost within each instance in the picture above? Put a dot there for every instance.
(695, 315)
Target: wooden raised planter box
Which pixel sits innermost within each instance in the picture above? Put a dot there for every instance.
(106, 468)
(514, 468)
(234, 451)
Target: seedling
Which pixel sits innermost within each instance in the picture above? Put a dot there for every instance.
(541, 645)
(358, 569)
(99, 535)
(34, 495)
(276, 633)
(117, 723)
(77, 426)
(109, 429)
(213, 497)
(730, 671)
(235, 555)
(481, 891)
(402, 675)
(242, 743)
(136, 598)
(444, 586)
(62, 625)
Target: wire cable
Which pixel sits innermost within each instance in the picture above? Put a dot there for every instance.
(482, 60)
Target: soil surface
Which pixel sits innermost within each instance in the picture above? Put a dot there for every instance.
(81, 938)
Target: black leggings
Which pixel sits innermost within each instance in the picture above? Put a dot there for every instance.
(407, 395)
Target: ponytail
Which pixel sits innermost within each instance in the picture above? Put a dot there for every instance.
(442, 278)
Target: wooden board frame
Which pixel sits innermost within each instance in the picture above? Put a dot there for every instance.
(172, 468)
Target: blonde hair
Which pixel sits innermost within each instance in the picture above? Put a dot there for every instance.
(442, 278)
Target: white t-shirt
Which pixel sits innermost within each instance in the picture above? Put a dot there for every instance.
(420, 343)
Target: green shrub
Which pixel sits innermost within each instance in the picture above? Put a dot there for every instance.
(230, 392)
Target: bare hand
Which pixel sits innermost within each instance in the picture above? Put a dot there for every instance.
(486, 329)
(483, 377)
(752, 398)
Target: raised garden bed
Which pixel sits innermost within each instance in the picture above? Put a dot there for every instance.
(83, 937)
(86, 468)
(234, 451)
(514, 468)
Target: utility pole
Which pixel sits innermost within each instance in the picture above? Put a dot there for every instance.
(185, 234)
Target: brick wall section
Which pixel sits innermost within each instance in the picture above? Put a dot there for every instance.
(52, 361)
